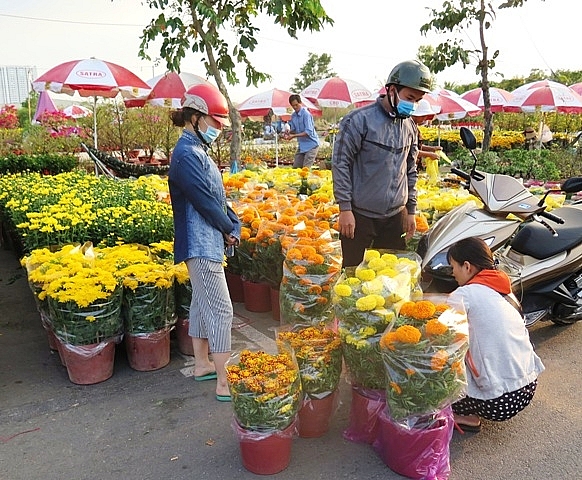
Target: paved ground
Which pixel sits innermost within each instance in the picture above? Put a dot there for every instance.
(154, 425)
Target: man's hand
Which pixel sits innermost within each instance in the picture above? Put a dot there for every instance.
(409, 226)
(347, 224)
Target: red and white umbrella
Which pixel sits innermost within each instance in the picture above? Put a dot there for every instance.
(92, 78)
(538, 84)
(276, 100)
(167, 90)
(577, 87)
(549, 98)
(452, 105)
(76, 111)
(336, 92)
(497, 98)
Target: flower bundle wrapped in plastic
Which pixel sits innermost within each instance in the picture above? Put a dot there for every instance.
(148, 289)
(366, 300)
(81, 292)
(265, 389)
(423, 352)
(319, 356)
(312, 266)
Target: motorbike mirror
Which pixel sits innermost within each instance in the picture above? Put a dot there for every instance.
(572, 185)
(468, 138)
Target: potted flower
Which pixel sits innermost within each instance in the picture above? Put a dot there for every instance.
(423, 351)
(319, 357)
(84, 307)
(266, 395)
(148, 306)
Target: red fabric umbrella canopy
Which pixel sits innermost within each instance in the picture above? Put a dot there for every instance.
(452, 105)
(92, 78)
(274, 100)
(76, 111)
(336, 92)
(577, 87)
(553, 97)
(497, 98)
(167, 89)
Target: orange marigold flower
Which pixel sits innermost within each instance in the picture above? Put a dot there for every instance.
(408, 334)
(410, 372)
(299, 270)
(424, 310)
(394, 386)
(298, 307)
(305, 281)
(441, 307)
(315, 289)
(407, 309)
(457, 367)
(434, 327)
(421, 223)
(294, 254)
(387, 339)
(321, 300)
(439, 360)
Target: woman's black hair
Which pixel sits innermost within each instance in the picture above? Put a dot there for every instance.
(472, 250)
(179, 117)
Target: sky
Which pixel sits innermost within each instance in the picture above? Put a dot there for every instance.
(367, 39)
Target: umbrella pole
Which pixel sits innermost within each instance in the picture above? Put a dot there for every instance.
(276, 149)
(95, 121)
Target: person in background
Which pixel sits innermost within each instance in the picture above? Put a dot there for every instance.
(423, 114)
(204, 227)
(502, 367)
(269, 131)
(374, 166)
(546, 136)
(303, 129)
(531, 139)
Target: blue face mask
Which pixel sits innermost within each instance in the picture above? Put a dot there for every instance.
(211, 133)
(404, 107)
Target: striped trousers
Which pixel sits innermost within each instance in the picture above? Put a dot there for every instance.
(211, 308)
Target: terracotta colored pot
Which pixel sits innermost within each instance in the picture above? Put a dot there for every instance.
(366, 406)
(148, 351)
(315, 415)
(275, 304)
(257, 296)
(235, 287)
(89, 364)
(184, 340)
(265, 453)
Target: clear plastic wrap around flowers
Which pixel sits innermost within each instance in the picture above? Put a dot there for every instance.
(366, 299)
(423, 352)
(95, 323)
(265, 389)
(311, 268)
(319, 357)
(148, 308)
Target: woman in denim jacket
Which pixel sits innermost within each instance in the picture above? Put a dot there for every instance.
(204, 227)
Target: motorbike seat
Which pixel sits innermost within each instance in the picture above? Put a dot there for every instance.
(535, 240)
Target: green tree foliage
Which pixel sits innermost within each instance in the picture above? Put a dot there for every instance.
(205, 27)
(455, 17)
(315, 68)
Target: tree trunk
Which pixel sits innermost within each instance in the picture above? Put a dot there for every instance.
(484, 65)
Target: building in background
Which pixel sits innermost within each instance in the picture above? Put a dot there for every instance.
(15, 81)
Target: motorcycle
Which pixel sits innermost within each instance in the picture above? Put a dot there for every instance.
(540, 251)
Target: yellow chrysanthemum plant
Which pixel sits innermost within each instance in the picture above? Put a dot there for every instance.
(311, 268)
(265, 389)
(423, 351)
(319, 355)
(148, 288)
(366, 300)
(77, 292)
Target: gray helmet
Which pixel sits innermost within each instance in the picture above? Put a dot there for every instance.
(411, 74)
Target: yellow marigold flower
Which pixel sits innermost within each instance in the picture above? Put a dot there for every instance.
(408, 334)
(342, 290)
(371, 254)
(366, 304)
(373, 286)
(424, 310)
(388, 272)
(380, 300)
(434, 327)
(439, 360)
(390, 259)
(377, 264)
(365, 274)
(353, 281)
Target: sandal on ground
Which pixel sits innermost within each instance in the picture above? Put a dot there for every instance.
(463, 427)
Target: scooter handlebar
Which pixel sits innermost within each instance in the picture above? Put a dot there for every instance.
(552, 217)
(460, 173)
